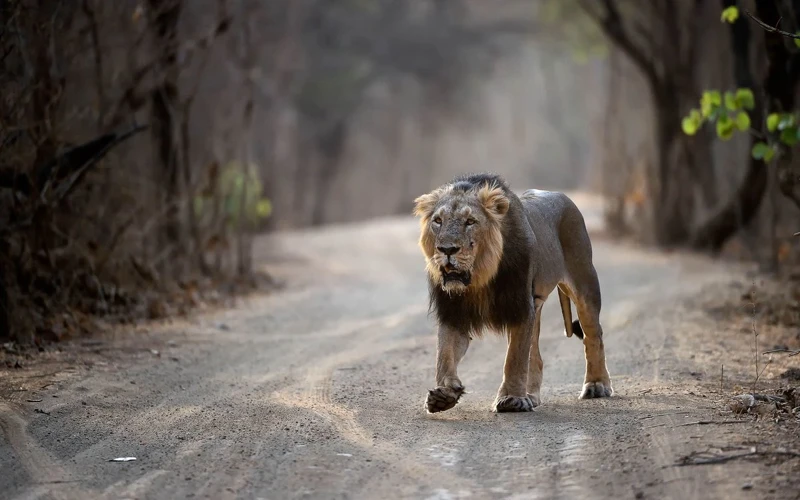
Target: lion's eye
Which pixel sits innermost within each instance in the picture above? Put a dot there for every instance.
(471, 222)
(437, 220)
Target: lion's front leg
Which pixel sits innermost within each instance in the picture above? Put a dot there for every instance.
(452, 345)
(535, 363)
(512, 395)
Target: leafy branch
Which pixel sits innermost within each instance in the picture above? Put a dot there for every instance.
(729, 111)
(731, 15)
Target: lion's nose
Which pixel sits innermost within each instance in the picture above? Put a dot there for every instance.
(449, 250)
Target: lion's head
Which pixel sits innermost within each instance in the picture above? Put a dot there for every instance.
(461, 233)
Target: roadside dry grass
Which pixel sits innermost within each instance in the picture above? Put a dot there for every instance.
(747, 370)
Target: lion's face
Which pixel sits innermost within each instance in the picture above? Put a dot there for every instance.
(461, 235)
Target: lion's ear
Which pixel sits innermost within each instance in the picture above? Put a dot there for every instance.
(424, 205)
(494, 200)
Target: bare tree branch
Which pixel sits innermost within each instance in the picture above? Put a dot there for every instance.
(613, 26)
(134, 97)
(771, 29)
(94, 30)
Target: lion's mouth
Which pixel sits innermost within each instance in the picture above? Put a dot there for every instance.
(450, 274)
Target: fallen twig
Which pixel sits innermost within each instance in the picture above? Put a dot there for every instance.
(711, 422)
(768, 398)
(665, 414)
(61, 481)
(704, 458)
(782, 351)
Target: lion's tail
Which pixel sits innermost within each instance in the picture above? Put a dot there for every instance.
(570, 327)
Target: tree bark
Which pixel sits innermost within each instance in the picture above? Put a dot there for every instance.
(46, 89)
(164, 102)
(668, 70)
(330, 145)
(676, 168)
(5, 330)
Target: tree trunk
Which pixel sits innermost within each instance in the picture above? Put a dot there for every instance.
(674, 208)
(5, 327)
(667, 65)
(46, 90)
(713, 234)
(164, 102)
(698, 150)
(244, 258)
(331, 147)
(615, 165)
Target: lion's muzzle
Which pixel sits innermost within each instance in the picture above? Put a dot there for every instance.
(451, 274)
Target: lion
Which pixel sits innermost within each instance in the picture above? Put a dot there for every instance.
(492, 259)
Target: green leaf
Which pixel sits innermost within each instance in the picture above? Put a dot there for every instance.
(709, 102)
(796, 40)
(770, 154)
(743, 121)
(689, 126)
(263, 208)
(745, 99)
(692, 123)
(730, 101)
(725, 128)
(772, 121)
(789, 136)
(787, 120)
(706, 108)
(760, 150)
(730, 15)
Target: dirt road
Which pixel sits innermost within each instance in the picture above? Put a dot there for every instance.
(317, 392)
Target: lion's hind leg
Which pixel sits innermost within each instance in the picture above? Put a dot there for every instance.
(597, 382)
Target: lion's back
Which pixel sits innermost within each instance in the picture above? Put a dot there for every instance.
(547, 209)
(556, 221)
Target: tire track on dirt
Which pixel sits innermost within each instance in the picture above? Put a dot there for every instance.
(140, 422)
(316, 390)
(42, 468)
(319, 381)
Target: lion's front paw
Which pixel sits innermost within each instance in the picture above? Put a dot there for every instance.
(536, 400)
(593, 390)
(513, 404)
(442, 398)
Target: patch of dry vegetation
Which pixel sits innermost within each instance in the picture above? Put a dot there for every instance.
(98, 214)
(758, 331)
